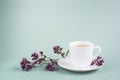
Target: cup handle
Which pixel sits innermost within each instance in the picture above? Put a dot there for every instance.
(99, 51)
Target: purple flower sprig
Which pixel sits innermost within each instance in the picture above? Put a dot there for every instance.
(26, 65)
(38, 58)
(98, 61)
(51, 65)
(58, 50)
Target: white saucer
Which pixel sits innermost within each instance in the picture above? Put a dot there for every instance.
(65, 63)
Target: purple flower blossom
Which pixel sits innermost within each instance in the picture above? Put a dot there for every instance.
(93, 62)
(41, 52)
(98, 61)
(98, 58)
(25, 64)
(35, 56)
(51, 66)
(57, 49)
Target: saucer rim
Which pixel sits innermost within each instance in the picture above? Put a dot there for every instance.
(93, 67)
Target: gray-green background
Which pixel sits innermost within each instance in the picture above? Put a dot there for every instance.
(32, 25)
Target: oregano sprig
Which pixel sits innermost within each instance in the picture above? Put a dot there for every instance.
(39, 58)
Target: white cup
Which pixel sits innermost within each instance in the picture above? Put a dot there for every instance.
(81, 53)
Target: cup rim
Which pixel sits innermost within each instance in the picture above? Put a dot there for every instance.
(81, 42)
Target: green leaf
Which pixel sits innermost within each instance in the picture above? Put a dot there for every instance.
(33, 66)
(42, 59)
(62, 54)
(44, 56)
(67, 53)
(61, 49)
